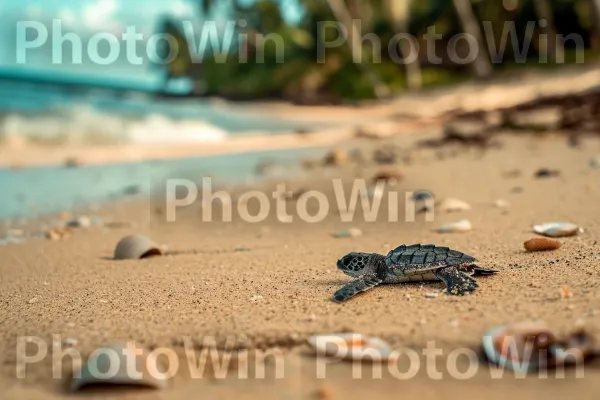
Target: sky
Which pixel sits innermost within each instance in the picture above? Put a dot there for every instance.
(89, 17)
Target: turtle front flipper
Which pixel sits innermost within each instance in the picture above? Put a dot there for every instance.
(457, 282)
(355, 287)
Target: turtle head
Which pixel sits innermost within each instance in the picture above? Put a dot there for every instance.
(356, 264)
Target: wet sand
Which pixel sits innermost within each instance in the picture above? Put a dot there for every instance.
(204, 285)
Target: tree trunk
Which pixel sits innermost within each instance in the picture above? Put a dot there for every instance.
(400, 15)
(482, 65)
(341, 13)
(555, 48)
(595, 25)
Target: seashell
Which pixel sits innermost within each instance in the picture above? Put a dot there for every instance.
(58, 233)
(557, 229)
(351, 346)
(454, 227)
(506, 346)
(111, 366)
(501, 203)
(530, 345)
(390, 176)
(80, 222)
(541, 244)
(134, 247)
(350, 232)
(453, 205)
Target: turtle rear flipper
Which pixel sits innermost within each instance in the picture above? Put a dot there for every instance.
(355, 287)
(457, 282)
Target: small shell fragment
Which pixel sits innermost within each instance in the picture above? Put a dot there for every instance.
(120, 365)
(134, 247)
(351, 346)
(565, 292)
(453, 205)
(346, 233)
(541, 244)
(557, 229)
(455, 227)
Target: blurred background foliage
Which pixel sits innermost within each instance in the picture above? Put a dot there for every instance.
(246, 73)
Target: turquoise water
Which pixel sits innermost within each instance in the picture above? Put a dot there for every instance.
(38, 191)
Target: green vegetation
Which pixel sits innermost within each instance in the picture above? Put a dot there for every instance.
(298, 76)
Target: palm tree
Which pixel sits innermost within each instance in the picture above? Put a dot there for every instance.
(555, 48)
(343, 16)
(482, 66)
(399, 11)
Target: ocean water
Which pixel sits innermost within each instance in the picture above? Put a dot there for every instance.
(43, 111)
(40, 191)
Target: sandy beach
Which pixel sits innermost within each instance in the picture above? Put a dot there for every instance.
(268, 284)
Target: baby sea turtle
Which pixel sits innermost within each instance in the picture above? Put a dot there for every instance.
(415, 263)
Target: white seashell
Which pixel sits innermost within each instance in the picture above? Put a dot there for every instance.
(127, 365)
(557, 229)
(459, 226)
(453, 205)
(501, 203)
(351, 346)
(135, 247)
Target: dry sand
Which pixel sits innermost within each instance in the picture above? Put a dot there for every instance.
(204, 285)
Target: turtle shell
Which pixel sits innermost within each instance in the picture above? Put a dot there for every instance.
(424, 257)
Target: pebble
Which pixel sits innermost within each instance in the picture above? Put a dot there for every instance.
(255, 298)
(336, 157)
(422, 195)
(455, 227)
(541, 244)
(595, 162)
(431, 295)
(546, 173)
(325, 393)
(350, 232)
(33, 300)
